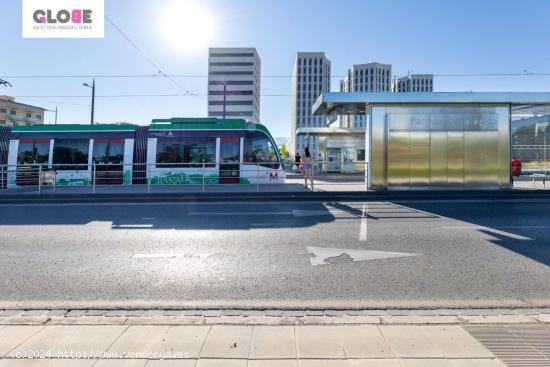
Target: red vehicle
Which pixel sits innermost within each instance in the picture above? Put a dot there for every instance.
(516, 167)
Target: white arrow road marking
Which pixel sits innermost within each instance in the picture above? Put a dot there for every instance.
(363, 230)
(321, 254)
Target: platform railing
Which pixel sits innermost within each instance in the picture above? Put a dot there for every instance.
(49, 177)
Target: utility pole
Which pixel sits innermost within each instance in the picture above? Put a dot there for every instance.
(93, 98)
(56, 115)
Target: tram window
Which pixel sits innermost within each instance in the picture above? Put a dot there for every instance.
(186, 152)
(258, 149)
(33, 151)
(108, 151)
(71, 151)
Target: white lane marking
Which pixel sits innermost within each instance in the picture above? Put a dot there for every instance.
(169, 256)
(132, 226)
(322, 254)
(363, 229)
(497, 231)
(240, 213)
(498, 227)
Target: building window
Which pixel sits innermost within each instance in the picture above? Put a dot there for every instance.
(28, 115)
(2, 110)
(12, 112)
(186, 152)
(73, 152)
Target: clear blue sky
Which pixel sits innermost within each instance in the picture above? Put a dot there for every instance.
(425, 36)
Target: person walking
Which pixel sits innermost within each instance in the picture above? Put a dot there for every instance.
(308, 167)
(296, 165)
(319, 163)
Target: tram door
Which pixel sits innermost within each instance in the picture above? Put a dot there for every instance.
(108, 158)
(230, 151)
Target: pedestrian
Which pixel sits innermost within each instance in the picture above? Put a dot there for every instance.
(297, 158)
(319, 163)
(308, 167)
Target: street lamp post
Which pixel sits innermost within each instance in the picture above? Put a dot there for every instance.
(93, 98)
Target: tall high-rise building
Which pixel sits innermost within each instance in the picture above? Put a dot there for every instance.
(414, 83)
(234, 83)
(371, 77)
(310, 78)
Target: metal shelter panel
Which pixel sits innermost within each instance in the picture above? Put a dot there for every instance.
(439, 146)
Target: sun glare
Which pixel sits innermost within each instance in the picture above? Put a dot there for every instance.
(186, 25)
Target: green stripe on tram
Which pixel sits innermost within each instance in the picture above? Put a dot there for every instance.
(75, 127)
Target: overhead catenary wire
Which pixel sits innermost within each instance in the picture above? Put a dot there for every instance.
(528, 74)
(149, 60)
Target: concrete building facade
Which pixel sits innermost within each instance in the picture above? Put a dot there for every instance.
(13, 113)
(310, 77)
(371, 77)
(414, 83)
(234, 76)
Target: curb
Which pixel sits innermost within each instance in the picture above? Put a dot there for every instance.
(277, 196)
(275, 317)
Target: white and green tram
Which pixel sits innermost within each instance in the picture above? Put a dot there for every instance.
(174, 151)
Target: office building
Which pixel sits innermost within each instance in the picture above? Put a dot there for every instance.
(414, 83)
(234, 83)
(371, 77)
(310, 78)
(13, 113)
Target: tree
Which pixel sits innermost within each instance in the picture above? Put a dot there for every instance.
(283, 151)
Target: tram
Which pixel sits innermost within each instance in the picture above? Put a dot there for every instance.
(172, 151)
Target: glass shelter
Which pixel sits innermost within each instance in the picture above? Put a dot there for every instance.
(448, 140)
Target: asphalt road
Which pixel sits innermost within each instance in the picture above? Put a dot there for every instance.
(461, 254)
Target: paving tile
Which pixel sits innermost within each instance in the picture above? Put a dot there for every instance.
(426, 363)
(221, 363)
(232, 312)
(186, 339)
(455, 342)
(227, 342)
(399, 312)
(248, 313)
(293, 313)
(322, 363)
(355, 313)
(377, 313)
(59, 339)
(23, 363)
(476, 363)
(274, 313)
(174, 313)
(423, 312)
(75, 313)
(364, 342)
(212, 313)
(34, 313)
(12, 336)
(138, 339)
(121, 363)
(10, 313)
(273, 363)
(95, 313)
(171, 363)
(57, 312)
(69, 363)
(374, 363)
(273, 342)
(334, 313)
(319, 342)
(314, 313)
(411, 342)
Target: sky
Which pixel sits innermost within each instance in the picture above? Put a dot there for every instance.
(422, 36)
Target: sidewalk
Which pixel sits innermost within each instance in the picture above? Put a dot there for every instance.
(243, 346)
(377, 338)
